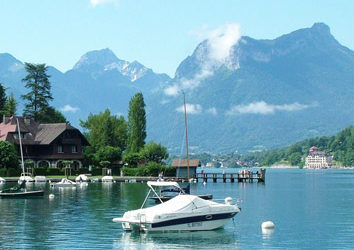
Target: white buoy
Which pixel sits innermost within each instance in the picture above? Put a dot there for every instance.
(204, 183)
(51, 196)
(268, 225)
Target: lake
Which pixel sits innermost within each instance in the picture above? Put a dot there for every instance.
(311, 209)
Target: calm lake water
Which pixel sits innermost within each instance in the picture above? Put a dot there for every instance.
(310, 209)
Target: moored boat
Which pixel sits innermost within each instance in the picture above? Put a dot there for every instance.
(181, 213)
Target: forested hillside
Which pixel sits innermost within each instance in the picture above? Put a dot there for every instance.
(341, 146)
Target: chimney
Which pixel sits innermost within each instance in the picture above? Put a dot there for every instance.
(5, 119)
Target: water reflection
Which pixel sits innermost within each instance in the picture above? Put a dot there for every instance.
(177, 240)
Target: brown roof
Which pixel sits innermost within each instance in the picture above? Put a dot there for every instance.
(42, 134)
(183, 163)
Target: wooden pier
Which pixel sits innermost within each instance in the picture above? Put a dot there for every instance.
(242, 176)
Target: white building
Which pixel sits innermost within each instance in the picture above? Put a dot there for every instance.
(318, 159)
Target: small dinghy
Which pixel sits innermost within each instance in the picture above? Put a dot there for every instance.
(82, 178)
(64, 183)
(20, 191)
(107, 178)
(181, 213)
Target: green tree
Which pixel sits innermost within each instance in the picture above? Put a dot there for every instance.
(8, 155)
(153, 152)
(108, 153)
(136, 124)
(11, 105)
(37, 81)
(50, 115)
(2, 100)
(105, 129)
(295, 159)
(132, 159)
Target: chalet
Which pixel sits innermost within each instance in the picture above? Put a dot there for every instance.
(318, 159)
(181, 167)
(47, 145)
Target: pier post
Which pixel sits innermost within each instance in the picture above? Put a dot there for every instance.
(214, 177)
(224, 178)
(205, 178)
(232, 179)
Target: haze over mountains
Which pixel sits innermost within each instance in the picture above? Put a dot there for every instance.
(256, 94)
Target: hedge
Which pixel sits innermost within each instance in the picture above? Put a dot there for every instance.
(3, 172)
(151, 169)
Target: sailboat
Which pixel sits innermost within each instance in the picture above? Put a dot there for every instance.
(20, 189)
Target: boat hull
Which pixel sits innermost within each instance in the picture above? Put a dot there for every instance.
(22, 194)
(193, 223)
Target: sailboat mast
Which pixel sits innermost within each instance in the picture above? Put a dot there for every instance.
(185, 123)
(19, 137)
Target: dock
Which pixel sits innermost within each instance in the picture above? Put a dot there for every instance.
(241, 176)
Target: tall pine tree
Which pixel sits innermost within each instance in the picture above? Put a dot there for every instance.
(2, 100)
(11, 105)
(37, 81)
(136, 124)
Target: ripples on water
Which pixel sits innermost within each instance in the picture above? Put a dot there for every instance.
(310, 209)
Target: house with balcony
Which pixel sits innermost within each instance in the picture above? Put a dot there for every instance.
(47, 145)
(318, 159)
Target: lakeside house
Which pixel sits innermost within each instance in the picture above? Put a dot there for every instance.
(318, 159)
(181, 167)
(47, 145)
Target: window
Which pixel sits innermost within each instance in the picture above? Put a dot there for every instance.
(74, 149)
(60, 149)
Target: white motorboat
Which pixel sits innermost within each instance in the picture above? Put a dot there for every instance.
(182, 213)
(82, 178)
(39, 178)
(2, 180)
(64, 183)
(25, 177)
(107, 178)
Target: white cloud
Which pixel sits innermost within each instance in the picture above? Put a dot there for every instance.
(212, 111)
(94, 3)
(264, 108)
(217, 52)
(172, 90)
(68, 108)
(221, 41)
(191, 109)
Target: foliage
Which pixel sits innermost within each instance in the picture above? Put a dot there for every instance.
(8, 155)
(136, 124)
(132, 159)
(3, 172)
(50, 115)
(340, 146)
(153, 152)
(104, 130)
(11, 105)
(12, 172)
(151, 169)
(37, 81)
(108, 154)
(2, 100)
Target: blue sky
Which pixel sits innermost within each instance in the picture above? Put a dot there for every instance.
(157, 33)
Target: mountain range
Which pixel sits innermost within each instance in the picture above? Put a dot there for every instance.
(261, 94)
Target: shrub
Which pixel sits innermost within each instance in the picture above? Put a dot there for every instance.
(3, 171)
(96, 171)
(83, 171)
(40, 171)
(130, 171)
(11, 172)
(54, 171)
